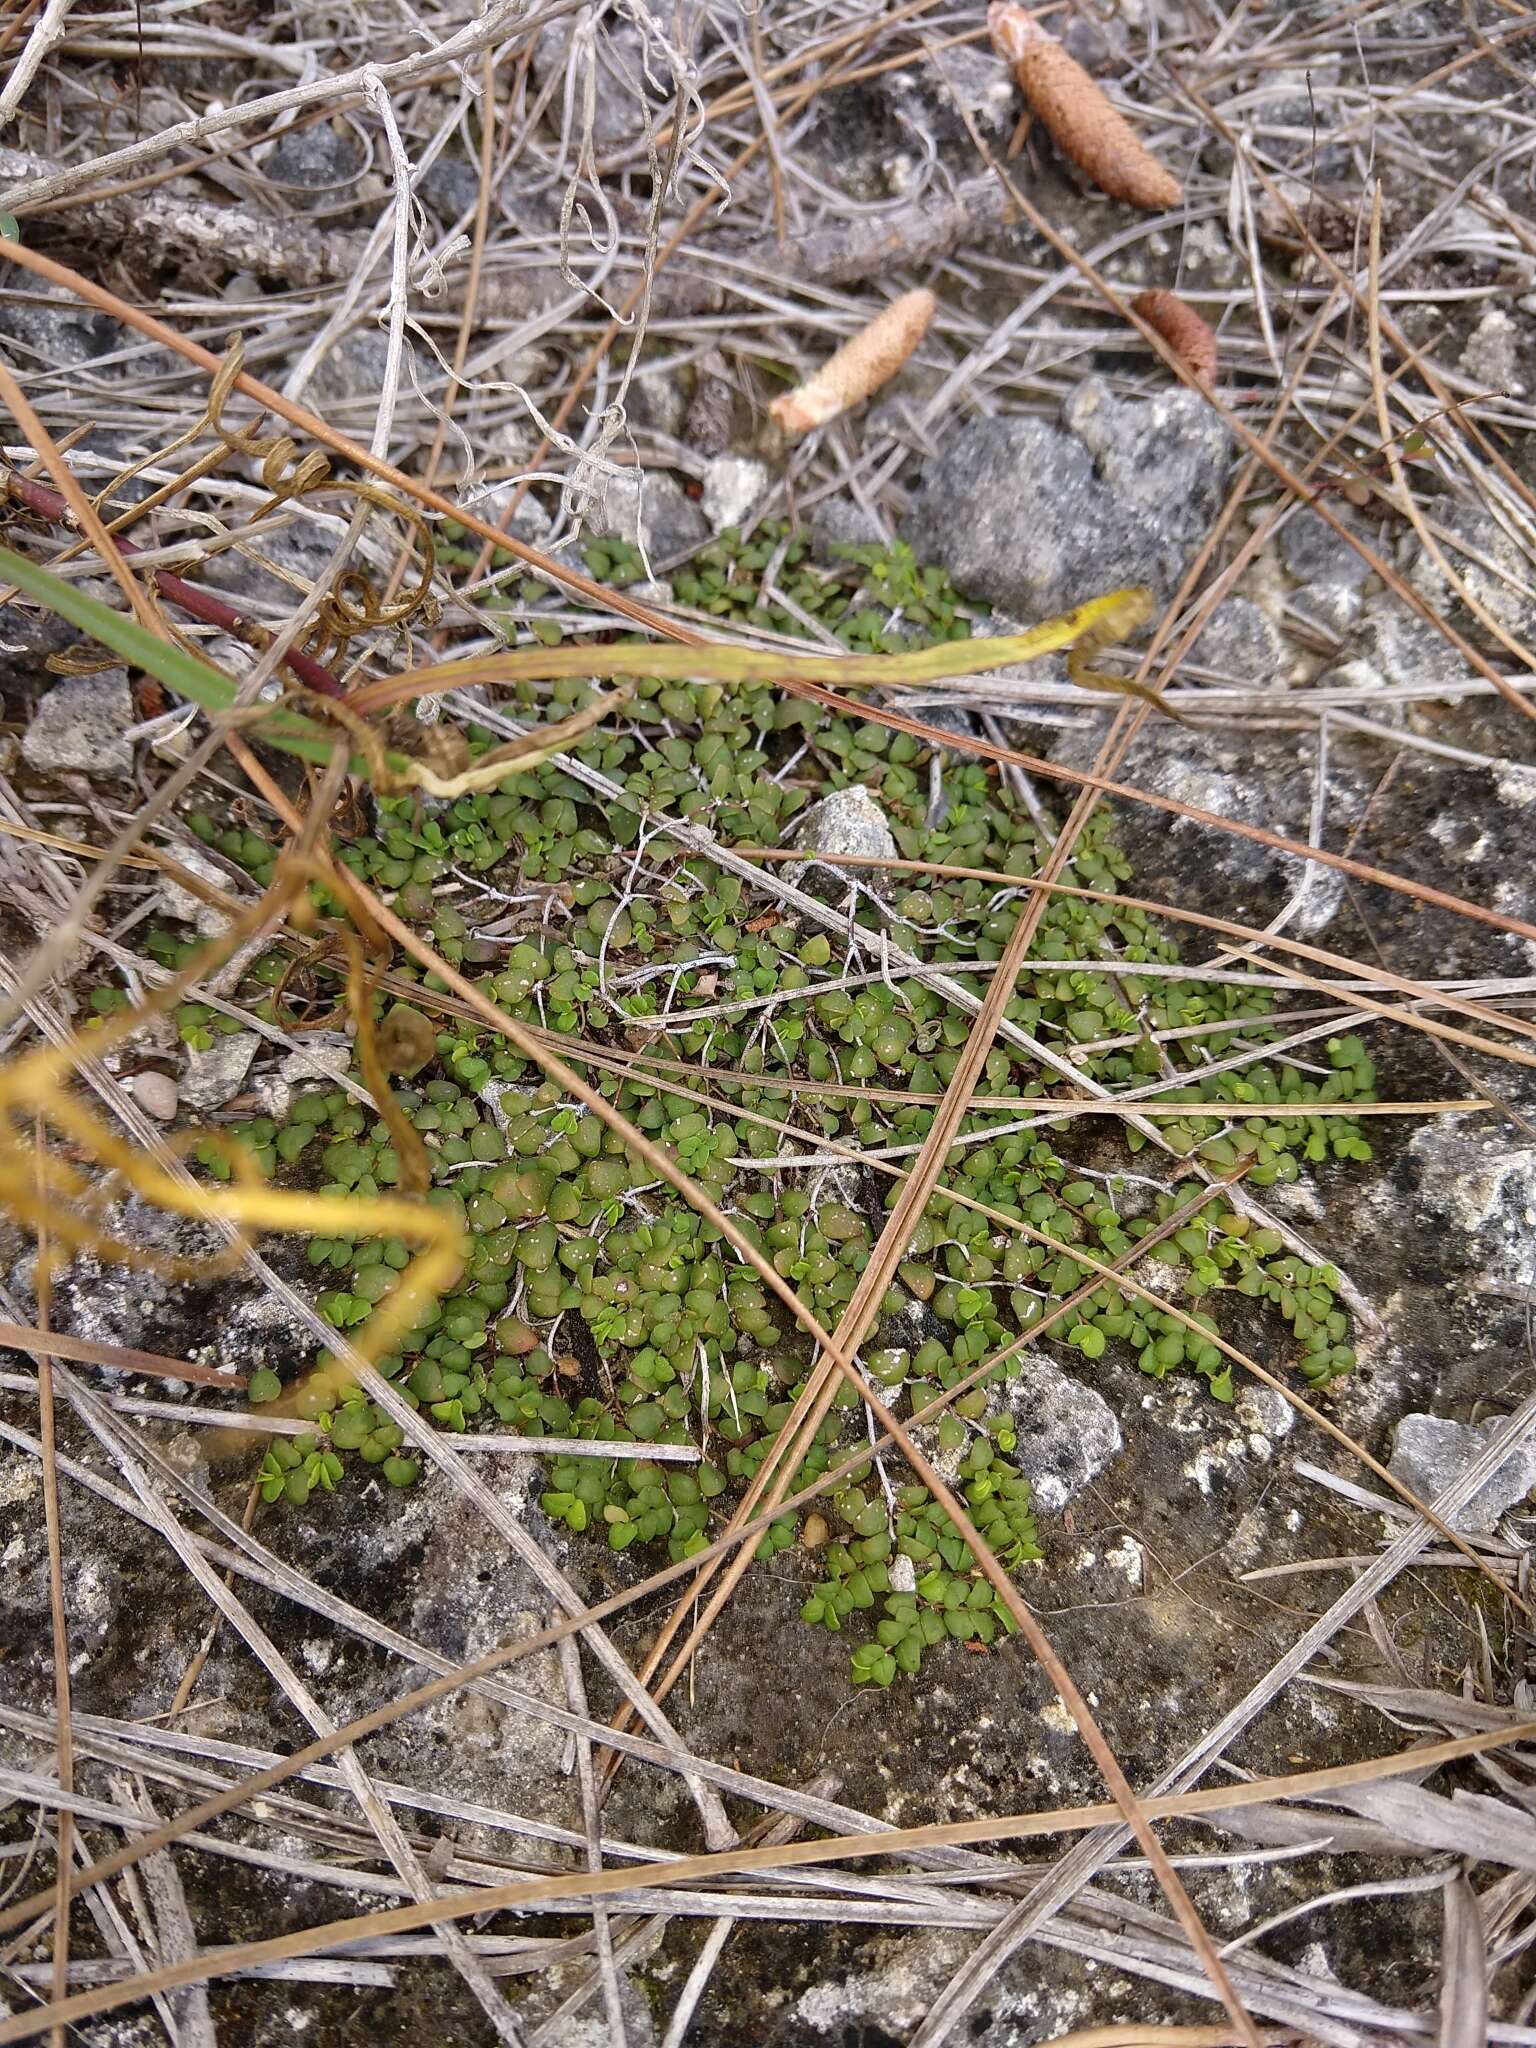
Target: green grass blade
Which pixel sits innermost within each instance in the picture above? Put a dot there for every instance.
(179, 671)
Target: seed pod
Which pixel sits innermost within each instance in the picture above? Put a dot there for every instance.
(867, 360)
(1186, 333)
(1083, 124)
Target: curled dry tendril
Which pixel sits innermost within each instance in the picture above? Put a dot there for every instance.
(353, 605)
(62, 1191)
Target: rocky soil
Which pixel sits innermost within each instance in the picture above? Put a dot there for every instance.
(1188, 1542)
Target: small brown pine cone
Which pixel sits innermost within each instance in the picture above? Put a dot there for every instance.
(1185, 332)
(865, 361)
(1083, 124)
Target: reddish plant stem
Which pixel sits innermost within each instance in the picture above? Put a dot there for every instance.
(201, 604)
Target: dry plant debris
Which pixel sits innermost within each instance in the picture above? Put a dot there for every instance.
(867, 361)
(605, 1076)
(1185, 332)
(1086, 128)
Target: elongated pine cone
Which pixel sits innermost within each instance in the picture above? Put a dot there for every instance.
(1083, 124)
(865, 361)
(1185, 332)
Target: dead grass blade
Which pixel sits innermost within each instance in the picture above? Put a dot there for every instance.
(1463, 1971)
(121, 1358)
(581, 1886)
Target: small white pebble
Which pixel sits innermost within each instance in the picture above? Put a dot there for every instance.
(155, 1094)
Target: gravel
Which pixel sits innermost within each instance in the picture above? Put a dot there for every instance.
(181, 904)
(212, 1076)
(1121, 492)
(156, 1094)
(733, 484)
(1242, 644)
(1430, 1453)
(650, 510)
(1314, 553)
(849, 821)
(81, 727)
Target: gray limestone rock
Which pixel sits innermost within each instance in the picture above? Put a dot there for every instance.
(1429, 1454)
(732, 486)
(352, 371)
(1484, 1187)
(1333, 608)
(1166, 457)
(1494, 570)
(1493, 354)
(62, 336)
(180, 903)
(1403, 648)
(527, 520)
(1035, 518)
(212, 1076)
(1314, 553)
(80, 727)
(1242, 644)
(849, 821)
(321, 158)
(842, 522)
(656, 401)
(649, 508)
(627, 89)
(1067, 1433)
(96, 1298)
(936, 99)
(450, 186)
(316, 1065)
